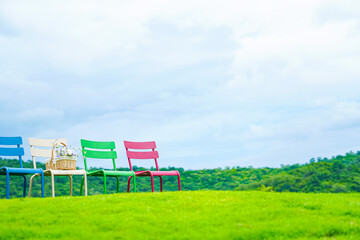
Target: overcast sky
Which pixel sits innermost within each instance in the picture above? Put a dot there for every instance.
(214, 83)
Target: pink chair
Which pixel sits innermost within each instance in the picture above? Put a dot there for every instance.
(147, 155)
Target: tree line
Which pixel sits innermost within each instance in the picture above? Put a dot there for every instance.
(337, 174)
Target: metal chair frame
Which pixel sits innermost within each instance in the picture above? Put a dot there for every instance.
(19, 152)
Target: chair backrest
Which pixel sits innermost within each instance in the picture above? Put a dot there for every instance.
(42, 147)
(12, 151)
(141, 154)
(98, 150)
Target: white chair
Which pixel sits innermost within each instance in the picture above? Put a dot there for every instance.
(46, 153)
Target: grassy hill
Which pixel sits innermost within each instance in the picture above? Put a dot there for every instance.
(184, 215)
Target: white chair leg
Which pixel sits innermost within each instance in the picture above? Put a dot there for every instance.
(52, 184)
(30, 184)
(71, 180)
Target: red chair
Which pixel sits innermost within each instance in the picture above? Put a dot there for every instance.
(147, 155)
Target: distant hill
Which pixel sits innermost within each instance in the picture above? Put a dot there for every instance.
(338, 174)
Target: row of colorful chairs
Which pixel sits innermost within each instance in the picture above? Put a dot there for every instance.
(90, 150)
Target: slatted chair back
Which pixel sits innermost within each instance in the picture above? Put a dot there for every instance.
(141, 152)
(42, 148)
(12, 148)
(98, 150)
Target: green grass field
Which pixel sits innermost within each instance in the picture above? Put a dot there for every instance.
(184, 215)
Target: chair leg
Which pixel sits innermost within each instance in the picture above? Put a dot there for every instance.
(152, 183)
(7, 184)
(42, 185)
(24, 193)
(117, 184)
(104, 184)
(86, 186)
(128, 188)
(81, 185)
(52, 184)
(161, 184)
(30, 184)
(178, 175)
(134, 182)
(71, 180)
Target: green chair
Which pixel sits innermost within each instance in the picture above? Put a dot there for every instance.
(103, 150)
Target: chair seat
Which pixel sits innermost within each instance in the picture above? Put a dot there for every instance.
(156, 173)
(63, 172)
(103, 172)
(20, 171)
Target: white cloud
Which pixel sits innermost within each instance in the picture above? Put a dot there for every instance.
(41, 113)
(215, 82)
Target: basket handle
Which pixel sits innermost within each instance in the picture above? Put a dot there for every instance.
(54, 145)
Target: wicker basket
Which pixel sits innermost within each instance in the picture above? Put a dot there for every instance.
(64, 163)
(61, 164)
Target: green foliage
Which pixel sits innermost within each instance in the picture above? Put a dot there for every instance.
(184, 215)
(335, 175)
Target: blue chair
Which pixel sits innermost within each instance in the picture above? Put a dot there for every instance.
(17, 151)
